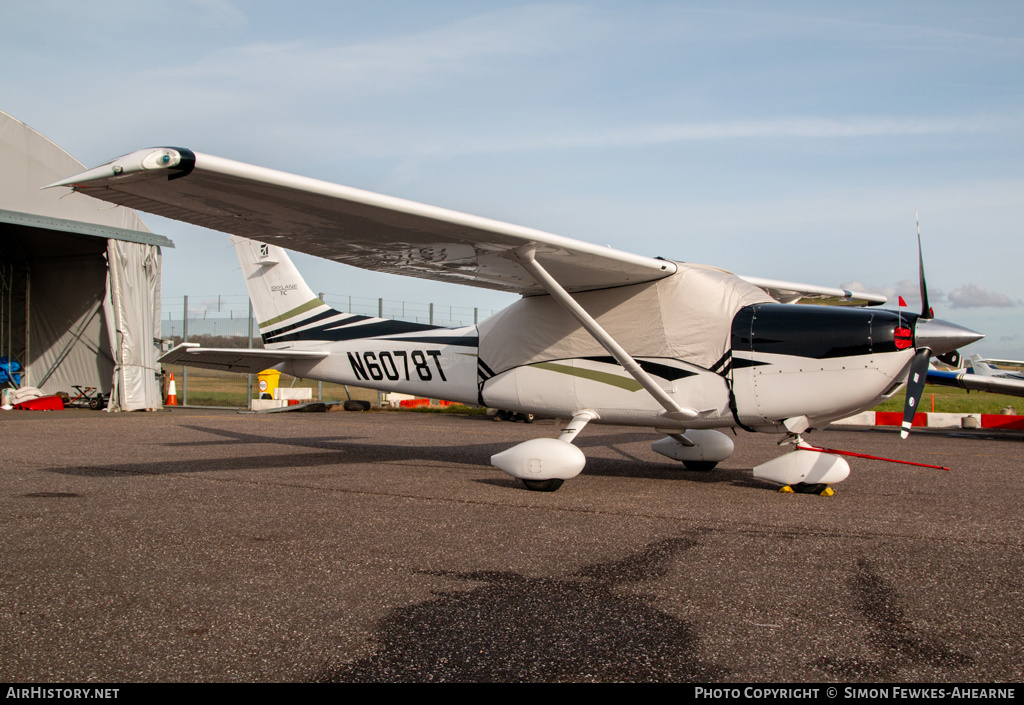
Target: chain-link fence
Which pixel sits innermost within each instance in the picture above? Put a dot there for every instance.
(227, 322)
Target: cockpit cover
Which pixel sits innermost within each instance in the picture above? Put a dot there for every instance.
(686, 316)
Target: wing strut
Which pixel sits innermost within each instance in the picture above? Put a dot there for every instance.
(526, 256)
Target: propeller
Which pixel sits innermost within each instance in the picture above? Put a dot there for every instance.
(932, 337)
(919, 368)
(915, 386)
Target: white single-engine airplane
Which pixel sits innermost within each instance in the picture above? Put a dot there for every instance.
(600, 335)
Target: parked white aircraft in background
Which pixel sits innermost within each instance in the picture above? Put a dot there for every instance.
(600, 335)
(980, 375)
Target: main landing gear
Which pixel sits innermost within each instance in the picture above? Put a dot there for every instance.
(543, 485)
(544, 463)
(699, 465)
(502, 415)
(699, 450)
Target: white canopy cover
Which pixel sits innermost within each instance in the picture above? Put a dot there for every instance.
(686, 316)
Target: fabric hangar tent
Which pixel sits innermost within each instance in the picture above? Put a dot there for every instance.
(79, 280)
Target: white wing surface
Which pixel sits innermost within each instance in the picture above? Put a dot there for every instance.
(355, 227)
(792, 292)
(377, 232)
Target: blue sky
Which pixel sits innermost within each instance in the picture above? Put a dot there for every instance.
(791, 140)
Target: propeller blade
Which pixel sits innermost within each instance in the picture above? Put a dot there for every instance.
(915, 385)
(926, 310)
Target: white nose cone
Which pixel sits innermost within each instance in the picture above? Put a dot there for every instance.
(541, 459)
(942, 336)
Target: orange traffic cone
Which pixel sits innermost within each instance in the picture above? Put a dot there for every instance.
(172, 393)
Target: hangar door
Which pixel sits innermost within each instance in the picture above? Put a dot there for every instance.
(79, 310)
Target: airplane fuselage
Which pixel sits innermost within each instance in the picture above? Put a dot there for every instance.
(784, 361)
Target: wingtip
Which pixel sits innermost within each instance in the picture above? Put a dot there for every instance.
(70, 181)
(176, 160)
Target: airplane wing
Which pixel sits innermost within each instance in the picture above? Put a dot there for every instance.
(359, 228)
(791, 292)
(377, 232)
(243, 360)
(976, 383)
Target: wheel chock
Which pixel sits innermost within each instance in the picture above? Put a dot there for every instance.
(827, 492)
(786, 489)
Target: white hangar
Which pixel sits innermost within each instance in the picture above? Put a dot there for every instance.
(79, 280)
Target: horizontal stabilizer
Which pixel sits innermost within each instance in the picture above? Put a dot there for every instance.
(242, 360)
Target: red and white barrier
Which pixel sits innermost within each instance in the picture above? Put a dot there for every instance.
(895, 418)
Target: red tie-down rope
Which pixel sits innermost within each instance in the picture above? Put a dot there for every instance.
(870, 457)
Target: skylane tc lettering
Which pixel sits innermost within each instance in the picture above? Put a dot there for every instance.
(396, 365)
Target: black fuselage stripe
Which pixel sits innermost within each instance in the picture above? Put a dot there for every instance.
(483, 366)
(652, 368)
(336, 334)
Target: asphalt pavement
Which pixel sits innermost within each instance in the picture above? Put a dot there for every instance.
(196, 546)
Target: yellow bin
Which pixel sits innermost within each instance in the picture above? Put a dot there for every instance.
(267, 382)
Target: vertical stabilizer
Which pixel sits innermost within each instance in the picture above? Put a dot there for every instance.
(980, 367)
(280, 297)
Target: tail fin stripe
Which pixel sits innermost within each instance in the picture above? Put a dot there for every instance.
(371, 330)
(325, 319)
(302, 308)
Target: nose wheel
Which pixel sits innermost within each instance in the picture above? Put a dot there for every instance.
(808, 488)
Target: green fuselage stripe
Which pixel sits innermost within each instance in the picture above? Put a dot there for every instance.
(620, 381)
(302, 308)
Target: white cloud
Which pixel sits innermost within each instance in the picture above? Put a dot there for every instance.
(966, 296)
(793, 127)
(908, 289)
(391, 65)
(974, 296)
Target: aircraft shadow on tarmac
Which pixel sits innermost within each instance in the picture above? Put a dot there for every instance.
(514, 628)
(344, 450)
(892, 639)
(587, 627)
